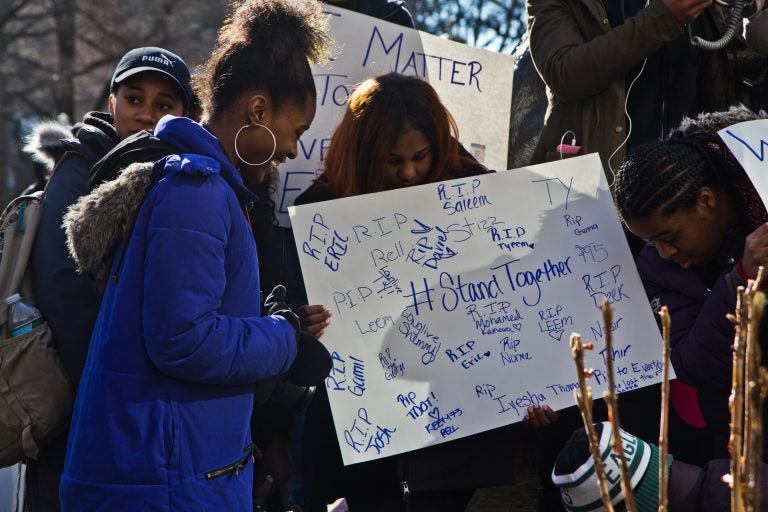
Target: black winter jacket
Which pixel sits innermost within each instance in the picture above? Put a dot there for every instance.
(69, 301)
(702, 489)
(388, 10)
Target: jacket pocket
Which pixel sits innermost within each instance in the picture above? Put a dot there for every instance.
(36, 396)
(172, 450)
(234, 467)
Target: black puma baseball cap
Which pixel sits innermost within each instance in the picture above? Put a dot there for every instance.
(152, 58)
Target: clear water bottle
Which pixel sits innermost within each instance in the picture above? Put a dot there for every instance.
(21, 317)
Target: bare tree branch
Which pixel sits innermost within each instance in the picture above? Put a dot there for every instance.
(483, 23)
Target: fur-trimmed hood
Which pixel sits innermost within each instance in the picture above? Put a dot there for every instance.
(93, 137)
(712, 122)
(44, 144)
(97, 222)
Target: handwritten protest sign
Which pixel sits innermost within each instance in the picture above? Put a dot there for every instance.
(748, 142)
(474, 84)
(453, 302)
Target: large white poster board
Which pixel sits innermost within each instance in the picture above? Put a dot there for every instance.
(453, 302)
(474, 84)
(748, 142)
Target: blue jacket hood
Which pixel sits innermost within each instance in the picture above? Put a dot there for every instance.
(195, 140)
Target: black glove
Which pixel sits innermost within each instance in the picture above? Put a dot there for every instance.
(313, 362)
(276, 305)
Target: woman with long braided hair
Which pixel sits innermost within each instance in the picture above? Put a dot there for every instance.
(706, 234)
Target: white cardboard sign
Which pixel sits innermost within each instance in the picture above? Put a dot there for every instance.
(748, 141)
(453, 302)
(474, 84)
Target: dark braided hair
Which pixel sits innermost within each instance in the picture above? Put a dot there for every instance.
(666, 176)
(264, 44)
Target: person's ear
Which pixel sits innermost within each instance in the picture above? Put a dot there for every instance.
(706, 199)
(111, 101)
(257, 108)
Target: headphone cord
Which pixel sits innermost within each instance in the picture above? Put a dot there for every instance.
(629, 118)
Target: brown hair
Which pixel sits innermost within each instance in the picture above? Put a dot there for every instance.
(264, 44)
(377, 112)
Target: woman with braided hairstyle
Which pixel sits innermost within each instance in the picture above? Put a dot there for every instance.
(706, 234)
(162, 416)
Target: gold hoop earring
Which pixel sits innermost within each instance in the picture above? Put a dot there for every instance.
(274, 144)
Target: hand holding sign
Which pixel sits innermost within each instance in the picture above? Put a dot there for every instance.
(452, 302)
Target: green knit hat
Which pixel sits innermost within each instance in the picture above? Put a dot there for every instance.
(574, 471)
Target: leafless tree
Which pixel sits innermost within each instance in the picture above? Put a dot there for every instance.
(58, 57)
(493, 24)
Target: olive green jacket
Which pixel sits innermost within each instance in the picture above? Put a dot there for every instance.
(583, 62)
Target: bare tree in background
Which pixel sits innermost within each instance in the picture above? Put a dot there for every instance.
(23, 25)
(58, 56)
(493, 24)
(498, 25)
